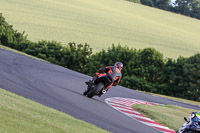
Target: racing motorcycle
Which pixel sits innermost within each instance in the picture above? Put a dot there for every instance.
(184, 128)
(98, 86)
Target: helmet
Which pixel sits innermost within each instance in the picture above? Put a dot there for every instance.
(198, 114)
(119, 65)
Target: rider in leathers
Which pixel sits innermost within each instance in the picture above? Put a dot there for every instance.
(195, 121)
(114, 71)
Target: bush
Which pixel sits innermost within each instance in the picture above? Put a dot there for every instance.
(135, 1)
(9, 36)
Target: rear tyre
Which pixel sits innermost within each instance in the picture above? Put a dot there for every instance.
(95, 91)
(85, 92)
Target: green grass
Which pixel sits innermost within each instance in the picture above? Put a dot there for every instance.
(20, 115)
(174, 98)
(180, 99)
(103, 22)
(169, 115)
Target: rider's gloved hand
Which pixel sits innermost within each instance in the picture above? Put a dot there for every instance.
(115, 84)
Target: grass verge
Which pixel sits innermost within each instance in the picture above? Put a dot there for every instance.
(168, 115)
(174, 98)
(20, 115)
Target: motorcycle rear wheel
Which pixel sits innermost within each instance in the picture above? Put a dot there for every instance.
(95, 90)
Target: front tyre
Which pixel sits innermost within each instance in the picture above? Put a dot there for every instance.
(95, 91)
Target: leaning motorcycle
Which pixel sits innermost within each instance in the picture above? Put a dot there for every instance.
(98, 86)
(186, 126)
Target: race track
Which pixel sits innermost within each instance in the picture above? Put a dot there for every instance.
(61, 89)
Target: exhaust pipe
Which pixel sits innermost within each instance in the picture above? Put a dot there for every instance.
(103, 91)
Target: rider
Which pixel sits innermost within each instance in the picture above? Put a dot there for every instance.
(112, 70)
(195, 121)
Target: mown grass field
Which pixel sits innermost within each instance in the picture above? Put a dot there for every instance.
(168, 115)
(101, 23)
(20, 115)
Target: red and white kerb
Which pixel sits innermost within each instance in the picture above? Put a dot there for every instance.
(123, 105)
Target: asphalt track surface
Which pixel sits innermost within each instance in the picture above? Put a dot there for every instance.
(61, 89)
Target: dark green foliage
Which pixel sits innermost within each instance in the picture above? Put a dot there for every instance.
(195, 12)
(137, 84)
(162, 4)
(147, 64)
(135, 1)
(77, 57)
(186, 7)
(9, 36)
(181, 77)
(109, 57)
(72, 56)
(166, 81)
(147, 2)
(189, 81)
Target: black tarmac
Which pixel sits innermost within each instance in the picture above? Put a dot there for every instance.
(61, 89)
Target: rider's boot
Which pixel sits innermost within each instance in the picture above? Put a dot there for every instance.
(85, 92)
(89, 83)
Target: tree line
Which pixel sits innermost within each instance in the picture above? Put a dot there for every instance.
(144, 69)
(186, 7)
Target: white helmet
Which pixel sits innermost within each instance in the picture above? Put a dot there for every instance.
(119, 65)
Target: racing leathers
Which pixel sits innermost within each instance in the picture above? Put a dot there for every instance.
(195, 122)
(114, 73)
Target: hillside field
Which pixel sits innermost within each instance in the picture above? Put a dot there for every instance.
(103, 22)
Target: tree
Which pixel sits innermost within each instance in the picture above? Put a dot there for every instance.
(135, 1)
(147, 65)
(109, 57)
(182, 6)
(188, 7)
(136, 83)
(147, 2)
(191, 77)
(195, 9)
(169, 71)
(162, 4)
(9, 36)
(76, 56)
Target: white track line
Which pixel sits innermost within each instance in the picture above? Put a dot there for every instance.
(123, 105)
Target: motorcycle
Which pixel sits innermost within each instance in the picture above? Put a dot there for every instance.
(98, 86)
(185, 128)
